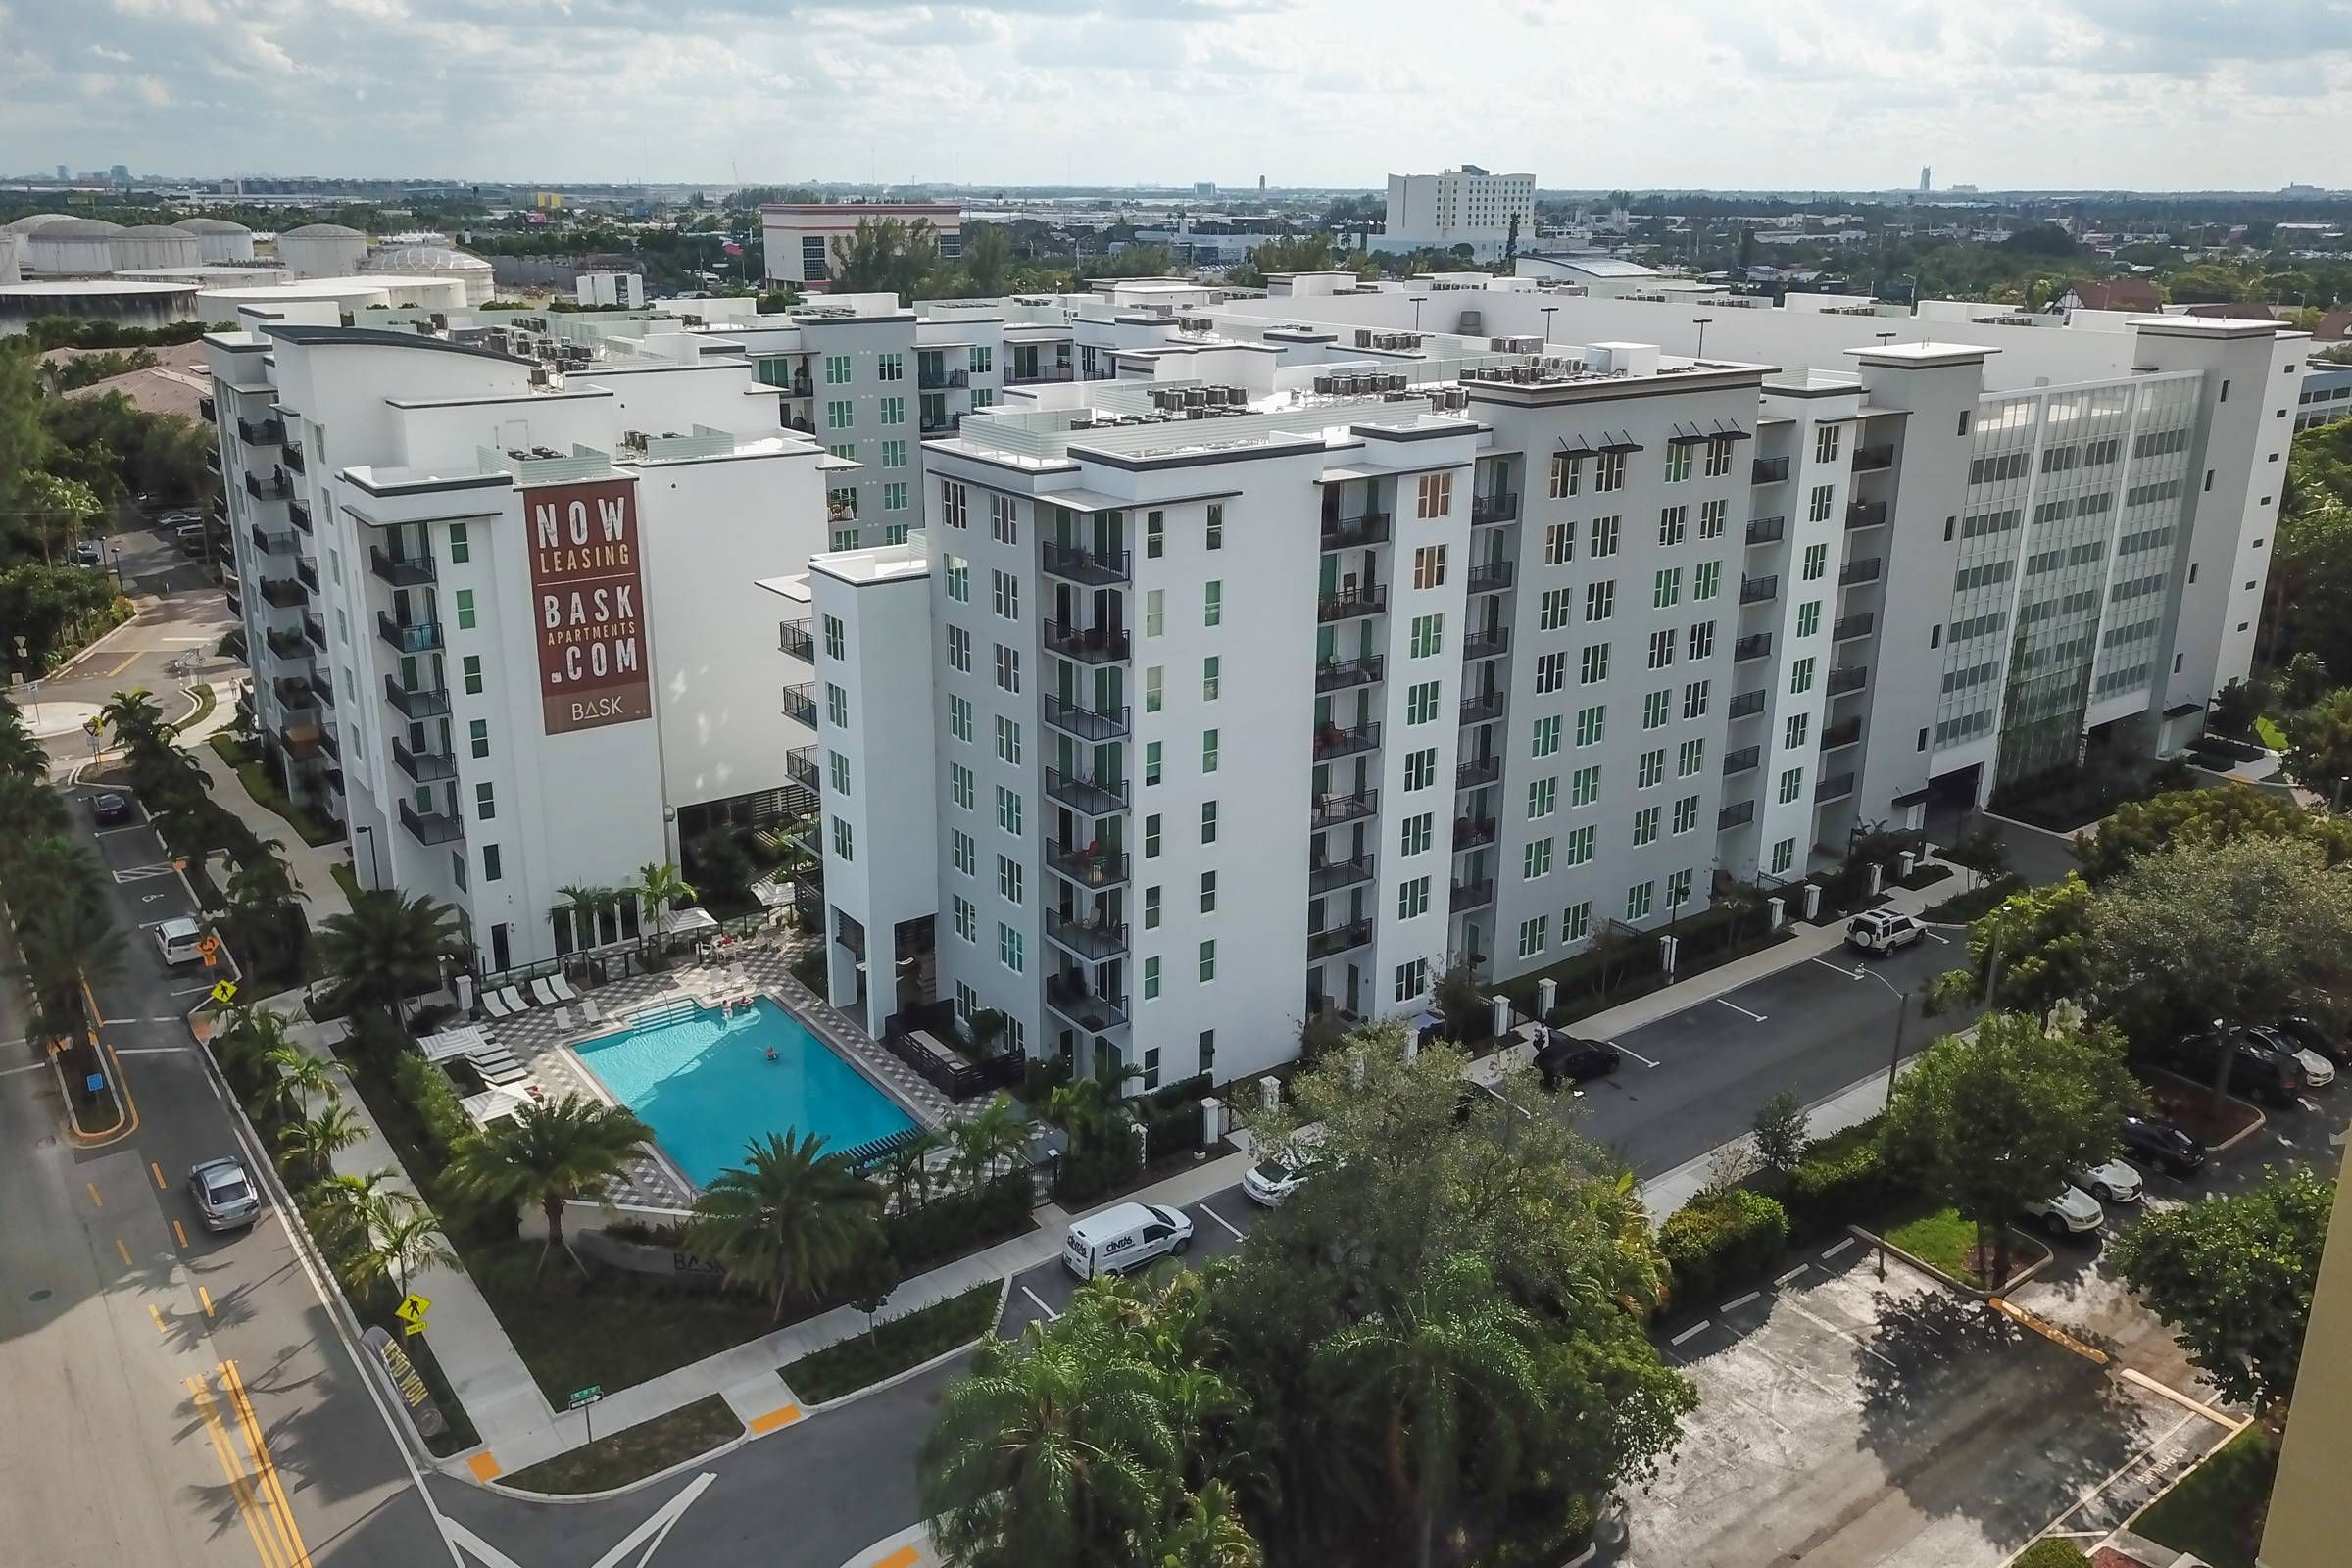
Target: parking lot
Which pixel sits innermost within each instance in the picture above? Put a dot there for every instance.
(1219, 1222)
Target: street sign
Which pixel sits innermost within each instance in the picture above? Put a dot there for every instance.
(94, 1082)
(586, 1396)
(411, 1310)
(224, 990)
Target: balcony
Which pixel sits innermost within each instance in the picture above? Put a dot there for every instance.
(1086, 724)
(1758, 590)
(1333, 876)
(937, 426)
(793, 638)
(1087, 796)
(333, 746)
(424, 766)
(1865, 513)
(1096, 937)
(1473, 832)
(300, 515)
(274, 541)
(1864, 570)
(408, 636)
(205, 407)
(800, 704)
(1331, 811)
(1755, 645)
(1088, 868)
(1477, 772)
(1847, 627)
(211, 459)
(1093, 645)
(1040, 372)
(1742, 760)
(1731, 817)
(307, 572)
(294, 458)
(421, 703)
(1747, 705)
(286, 643)
(273, 488)
(399, 569)
(1075, 1000)
(299, 740)
(314, 631)
(1500, 507)
(1492, 643)
(1767, 471)
(1334, 940)
(260, 432)
(799, 765)
(940, 381)
(1767, 530)
(1467, 896)
(1482, 707)
(1339, 674)
(1834, 789)
(294, 693)
(1870, 459)
(1848, 678)
(1491, 577)
(430, 827)
(234, 599)
(1350, 533)
(1098, 569)
(1349, 603)
(284, 592)
(1337, 740)
(324, 684)
(1843, 733)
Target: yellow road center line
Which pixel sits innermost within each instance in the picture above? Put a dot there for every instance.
(156, 1314)
(206, 1297)
(159, 1174)
(178, 1231)
(297, 1554)
(92, 1188)
(128, 659)
(125, 1249)
(264, 1545)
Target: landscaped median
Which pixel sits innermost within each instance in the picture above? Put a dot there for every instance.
(889, 1348)
(633, 1452)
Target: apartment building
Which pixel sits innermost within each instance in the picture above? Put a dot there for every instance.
(498, 601)
(1465, 206)
(797, 239)
(1306, 650)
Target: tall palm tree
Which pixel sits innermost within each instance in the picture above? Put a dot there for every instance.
(295, 1077)
(586, 906)
(1448, 1376)
(30, 811)
(998, 1133)
(906, 1172)
(393, 1246)
(20, 755)
(248, 1038)
(313, 1143)
(388, 948)
(133, 716)
(1055, 1452)
(72, 944)
(659, 889)
(548, 1154)
(1208, 1532)
(791, 1217)
(263, 916)
(348, 1201)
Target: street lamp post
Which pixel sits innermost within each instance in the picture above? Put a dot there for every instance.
(1417, 300)
(1702, 322)
(1894, 1059)
(375, 877)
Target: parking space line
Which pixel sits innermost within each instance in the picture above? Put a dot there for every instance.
(1742, 1011)
(2093, 1495)
(1036, 1300)
(2186, 1401)
(1835, 1251)
(1783, 1279)
(1837, 969)
(1738, 1301)
(1231, 1228)
(206, 1297)
(1635, 1055)
(1933, 937)
(1693, 1332)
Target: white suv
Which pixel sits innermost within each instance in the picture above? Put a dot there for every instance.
(1880, 931)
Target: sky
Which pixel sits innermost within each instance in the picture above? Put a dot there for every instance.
(1827, 94)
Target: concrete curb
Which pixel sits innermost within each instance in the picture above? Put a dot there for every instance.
(2048, 1256)
(2262, 1118)
(1003, 1294)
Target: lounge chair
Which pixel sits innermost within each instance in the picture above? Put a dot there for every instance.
(591, 1012)
(498, 1065)
(544, 994)
(560, 989)
(494, 1004)
(513, 999)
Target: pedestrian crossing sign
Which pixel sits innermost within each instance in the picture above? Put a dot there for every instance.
(223, 991)
(411, 1310)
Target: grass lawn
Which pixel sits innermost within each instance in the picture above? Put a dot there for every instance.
(2215, 1511)
(255, 776)
(1937, 1235)
(206, 702)
(633, 1452)
(894, 1346)
(2267, 731)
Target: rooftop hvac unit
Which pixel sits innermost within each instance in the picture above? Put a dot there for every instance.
(538, 378)
(1469, 324)
(1323, 383)
(1195, 398)
(1363, 337)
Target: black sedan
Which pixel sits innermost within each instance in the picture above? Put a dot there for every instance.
(1574, 1060)
(110, 808)
(2154, 1141)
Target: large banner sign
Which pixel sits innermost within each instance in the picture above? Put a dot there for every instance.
(591, 603)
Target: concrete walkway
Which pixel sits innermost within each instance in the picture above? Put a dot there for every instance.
(312, 865)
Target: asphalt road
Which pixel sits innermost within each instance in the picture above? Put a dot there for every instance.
(188, 623)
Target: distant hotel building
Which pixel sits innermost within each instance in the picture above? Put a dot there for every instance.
(1465, 206)
(796, 237)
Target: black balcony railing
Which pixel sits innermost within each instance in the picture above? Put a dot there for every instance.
(1092, 867)
(1091, 645)
(306, 572)
(1333, 876)
(1340, 740)
(1490, 577)
(1346, 604)
(1767, 471)
(799, 765)
(286, 643)
(1041, 373)
(1865, 513)
(1095, 936)
(324, 685)
(260, 432)
(1473, 832)
(408, 636)
(1757, 590)
(1867, 459)
(1866, 570)
(299, 740)
(1479, 708)
(1078, 564)
(1848, 678)
(401, 571)
(1835, 788)
(1334, 940)
(800, 704)
(299, 515)
(1348, 534)
(273, 488)
(1492, 643)
(1086, 724)
(430, 827)
(1330, 810)
(424, 701)
(1766, 530)
(1747, 705)
(1755, 645)
(1090, 796)
(234, 599)
(286, 593)
(1843, 733)
(1476, 771)
(793, 638)
(1471, 895)
(1501, 507)
(1743, 760)
(1338, 674)
(331, 744)
(1731, 817)
(274, 541)
(314, 630)
(294, 693)
(1084, 1006)
(426, 766)
(211, 459)
(1847, 627)
(206, 408)
(294, 458)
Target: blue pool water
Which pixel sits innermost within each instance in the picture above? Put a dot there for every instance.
(707, 1087)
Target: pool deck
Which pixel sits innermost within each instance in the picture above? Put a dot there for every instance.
(542, 1040)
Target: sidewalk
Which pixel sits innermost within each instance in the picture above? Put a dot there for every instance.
(312, 866)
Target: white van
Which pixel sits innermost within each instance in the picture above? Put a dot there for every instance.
(179, 940)
(1121, 1239)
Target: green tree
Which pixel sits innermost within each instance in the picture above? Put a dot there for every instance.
(659, 889)
(1208, 1532)
(2027, 953)
(987, 257)
(2203, 817)
(792, 1218)
(1995, 1122)
(2233, 1277)
(885, 254)
(71, 944)
(996, 1134)
(1780, 1132)
(312, 1143)
(548, 1153)
(587, 907)
(386, 948)
(20, 755)
(2318, 743)
(391, 1245)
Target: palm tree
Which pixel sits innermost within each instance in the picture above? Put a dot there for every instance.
(133, 718)
(262, 913)
(72, 944)
(1451, 1376)
(386, 948)
(294, 1077)
(791, 1217)
(997, 1132)
(1210, 1533)
(393, 1246)
(548, 1154)
(248, 1038)
(347, 1201)
(659, 889)
(313, 1143)
(587, 907)
(1083, 1106)
(1055, 1452)
(905, 1173)
(20, 755)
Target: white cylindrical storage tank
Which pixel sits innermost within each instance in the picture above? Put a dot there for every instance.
(438, 261)
(149, 245)
(9, 270)
(322, 250)
(220, 240)
(78, 247)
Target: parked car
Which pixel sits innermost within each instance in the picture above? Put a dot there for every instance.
(2153, 1139)
(173, 520)
(2309, 1035)
(2070, 1212)
(1567, 1058)
(1275, 1178)
(179, 940)
(191, 538)
(2113, 1179)
(226, 1197)
(2260, 1068)
(110, 808)
(1881, 931)
(2318, 1071)
(88, 553)
(1123, 1239)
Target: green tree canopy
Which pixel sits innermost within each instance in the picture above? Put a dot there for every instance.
(792, 1218)
(2032, 948)
(2319, 750)
(2205, 817)
(548, 1153)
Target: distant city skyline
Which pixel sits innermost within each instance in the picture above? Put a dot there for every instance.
(1834, 94)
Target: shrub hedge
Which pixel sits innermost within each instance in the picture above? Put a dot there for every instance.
(2052, 1553)
(952, 1223)
(1721, 1237)
(434, 1099)
(1842, 1180)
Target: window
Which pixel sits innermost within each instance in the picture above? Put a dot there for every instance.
(840, 414)
(1541, 795)
(966, 850)
(954, 503)
(1706, 580)
(844, 840)
(1155, 612)
(1532, 934)
(1666, 588)
(1543, 738)
(959, 649)
(1552, 673)
(1212, 679)
(1591, 722)
(1818, 510)
(959, 785)
(1553, 609)
(1650, 768)
(967, 922)
(1594, 666)
(1584, 785)
(1576, 921)
(959, 582)
(1208, 960)
(894, 411)
(1817, 563)
(461, 548)
(1151, 979)
(1156, 536)
(1150, 763)
(1645, 827)
(464, 598)
(1674, 524)
(1610, 473)
(1808, 617)
(1208, 821)
(1601, 600)
(1413, 978)
(1567, 472)
(485, 801)
(1661, 648)
(1005, 591)
(1800, 677)
(1429, 567)
(1559, 544)
(1008, 810)
(1825, 443)
(1008, 668)
(1421, 702)
(1004, 520)
(1413, 837)
(1702, 639)
(1412, 897)
(1655, 708)
(1421, 768)
(1151, 909)
(1784, 855)
(1212, 603)
(1695, 700)
(472, 666)
(1719, 455)
(1604, 538)
(1428, 635)
(1008, 879)
(1151, 836)
(492, 867)
(837, 773)
(1009, 741)
(1690, 758)
(478, 736)
(1710, 518)
(1578, 848)
(984, 360)
(1678, 886)
(1008, 948)
(1637, 900)
(894, 453)
(1793, 784)
(890, 367)
(1536, 859)
(1433, 495)
(837, 706)
(1678, 463)
(1152, 688)
(1795, 731)
(1685, 814)
(837, 370)
(1214, 536)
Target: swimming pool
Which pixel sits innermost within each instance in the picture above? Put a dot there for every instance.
(707, 1087)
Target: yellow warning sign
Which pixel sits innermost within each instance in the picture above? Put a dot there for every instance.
(411, 1310)
(223, 991)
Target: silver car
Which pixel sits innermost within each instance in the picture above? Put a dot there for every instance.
(226, 1197)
